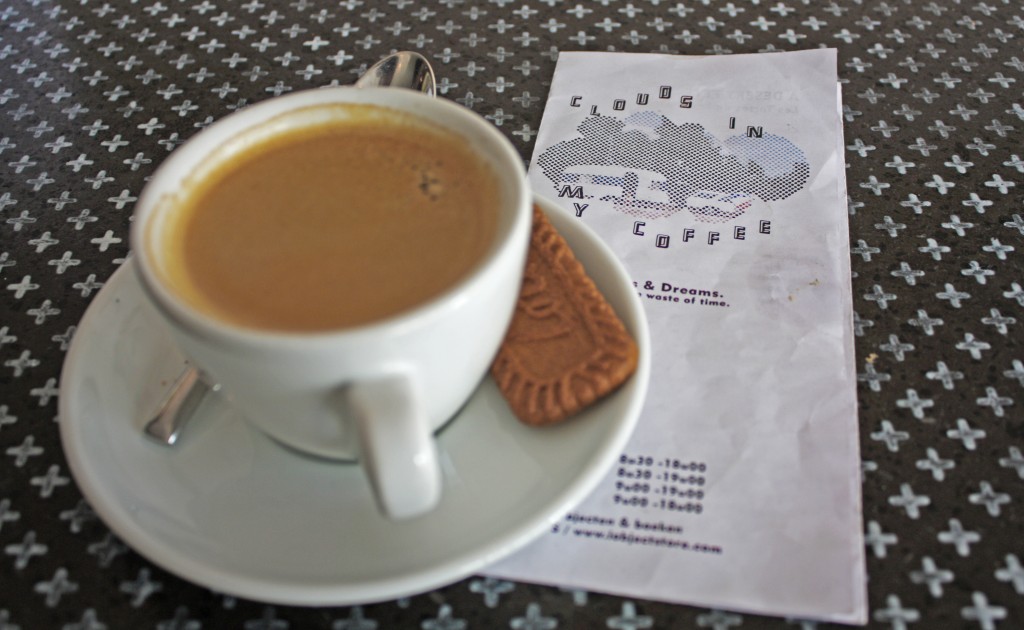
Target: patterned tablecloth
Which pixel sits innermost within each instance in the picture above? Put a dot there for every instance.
(95, 93)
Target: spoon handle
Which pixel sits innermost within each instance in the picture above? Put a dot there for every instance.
(177, 407)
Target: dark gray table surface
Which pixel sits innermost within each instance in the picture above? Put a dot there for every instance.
(95, 93)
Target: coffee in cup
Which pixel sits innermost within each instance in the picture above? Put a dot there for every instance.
(339, 216)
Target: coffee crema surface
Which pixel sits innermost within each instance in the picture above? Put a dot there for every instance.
(356, 218)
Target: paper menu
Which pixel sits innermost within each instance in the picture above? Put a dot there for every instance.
(719, 181)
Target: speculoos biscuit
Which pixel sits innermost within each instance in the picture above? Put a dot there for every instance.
(565, 348)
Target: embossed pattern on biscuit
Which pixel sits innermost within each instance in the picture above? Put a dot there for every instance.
(565, 348)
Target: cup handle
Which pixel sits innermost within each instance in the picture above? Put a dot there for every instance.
(397, 448)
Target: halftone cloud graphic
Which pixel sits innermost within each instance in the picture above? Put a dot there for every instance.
(650, 167)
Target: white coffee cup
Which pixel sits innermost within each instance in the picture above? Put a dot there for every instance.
(376, 392)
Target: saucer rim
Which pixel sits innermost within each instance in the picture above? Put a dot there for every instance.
(317, 592)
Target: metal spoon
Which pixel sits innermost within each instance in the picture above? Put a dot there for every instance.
(405, 69)
(178, 406)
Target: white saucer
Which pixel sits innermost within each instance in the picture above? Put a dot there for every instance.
(232, 510)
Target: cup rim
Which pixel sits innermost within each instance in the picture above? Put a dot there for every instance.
(191, 153)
